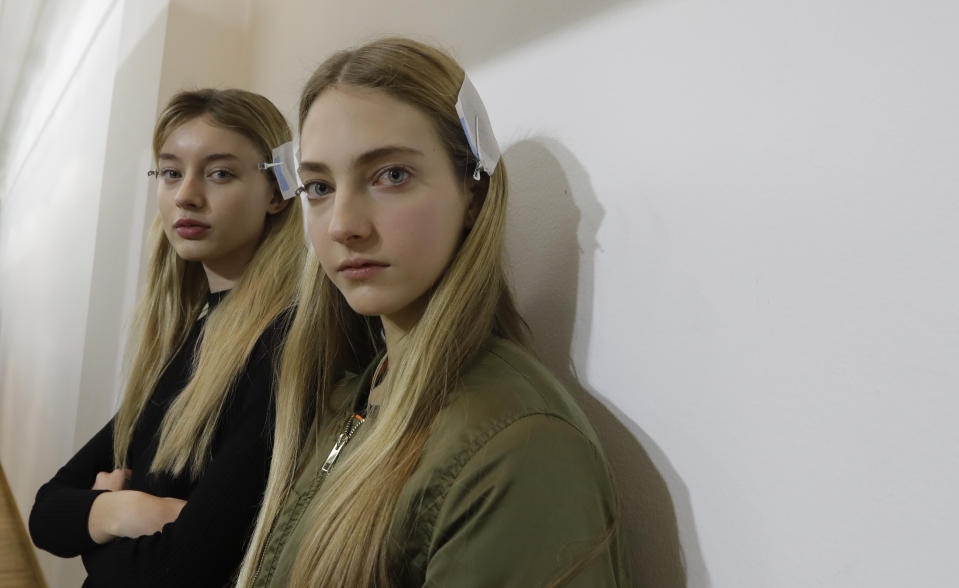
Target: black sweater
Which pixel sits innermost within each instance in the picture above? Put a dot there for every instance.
(205, 545)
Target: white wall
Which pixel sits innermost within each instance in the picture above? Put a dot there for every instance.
(768, 201)
(51, 189)
(738, 219)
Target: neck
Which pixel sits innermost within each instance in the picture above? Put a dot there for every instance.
(395, 337)
(219, 283)
(397, 325)
(223, 276)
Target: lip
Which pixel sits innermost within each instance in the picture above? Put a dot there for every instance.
(361, 269)
(189, 228)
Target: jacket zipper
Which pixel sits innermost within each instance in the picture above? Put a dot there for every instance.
(352, 424)
(349, 429)
(259, 564)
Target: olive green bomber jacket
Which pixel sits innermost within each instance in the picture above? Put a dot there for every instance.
(512, 488)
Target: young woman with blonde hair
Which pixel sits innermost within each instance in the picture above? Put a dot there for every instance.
(418, 441)
(167, 492)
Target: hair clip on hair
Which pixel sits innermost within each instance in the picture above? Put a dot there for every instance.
(284, 168)
(479, 131)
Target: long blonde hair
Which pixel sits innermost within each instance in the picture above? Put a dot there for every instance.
(346, 544)
(176, 293)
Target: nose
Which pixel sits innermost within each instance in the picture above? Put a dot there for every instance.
(191, 192)
(350, 217)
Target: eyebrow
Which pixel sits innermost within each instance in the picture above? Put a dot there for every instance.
(362, 159)
(207, 159)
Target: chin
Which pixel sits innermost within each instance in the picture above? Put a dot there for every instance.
(367, 307)
(189, 253)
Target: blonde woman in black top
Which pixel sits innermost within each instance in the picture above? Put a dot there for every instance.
(166, 493)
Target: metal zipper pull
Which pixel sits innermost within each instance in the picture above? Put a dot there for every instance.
(335, 452)
(352, 425)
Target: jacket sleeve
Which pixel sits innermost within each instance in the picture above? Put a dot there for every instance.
(534, 505)
(205, 545)
(58, 519)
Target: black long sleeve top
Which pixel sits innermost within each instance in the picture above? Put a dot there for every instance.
(205, 544)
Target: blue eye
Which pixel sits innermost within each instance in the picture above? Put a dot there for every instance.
(315, 189)
(393, 176)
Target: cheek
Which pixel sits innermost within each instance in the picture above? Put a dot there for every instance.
(168, 214)
(316, 225)
(164, 203)
(245, 210)
(429, 231)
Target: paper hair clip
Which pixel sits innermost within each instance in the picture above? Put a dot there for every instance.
(479, 131)
(284, 168)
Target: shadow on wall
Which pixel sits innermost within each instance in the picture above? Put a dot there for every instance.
(553, 201)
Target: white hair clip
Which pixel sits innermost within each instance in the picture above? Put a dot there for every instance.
(476, 125)
(284, 168)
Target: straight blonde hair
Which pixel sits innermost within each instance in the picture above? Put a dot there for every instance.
(346, 544)
(176, 294)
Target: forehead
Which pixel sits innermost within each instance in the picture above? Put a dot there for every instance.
(199, 137)
(346, 121)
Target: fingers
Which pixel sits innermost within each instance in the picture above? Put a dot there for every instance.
(113, 481)
(174, 506)
(103, 481)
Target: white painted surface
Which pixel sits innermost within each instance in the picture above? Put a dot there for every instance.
(774, 285)
(51, 196)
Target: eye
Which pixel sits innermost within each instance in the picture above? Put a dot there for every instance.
(315, 189)
(220, 175)
(392, 176)
(169, 174)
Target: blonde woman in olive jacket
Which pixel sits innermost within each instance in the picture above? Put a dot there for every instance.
(453, 458)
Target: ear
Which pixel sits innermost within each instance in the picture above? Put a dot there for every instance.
(478, 190)
(277, 203)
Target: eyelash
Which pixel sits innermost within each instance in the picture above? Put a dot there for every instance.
(307, 187)
(382, 174)
(227, 174)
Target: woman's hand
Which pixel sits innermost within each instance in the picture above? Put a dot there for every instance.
(115, 480)
(129, 513)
